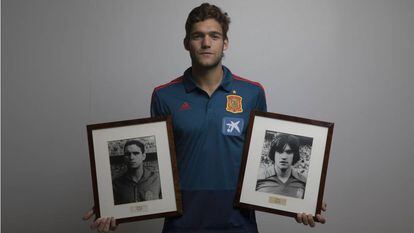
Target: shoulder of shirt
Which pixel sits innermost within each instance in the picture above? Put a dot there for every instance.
(295, 180)
(247, 82)
(268, 179)
(169, 85)
(165, 90)
(150, 176)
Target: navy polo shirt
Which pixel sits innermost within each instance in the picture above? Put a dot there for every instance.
(209, 134)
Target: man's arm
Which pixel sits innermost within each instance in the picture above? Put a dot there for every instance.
(261, 101)
(158, 108)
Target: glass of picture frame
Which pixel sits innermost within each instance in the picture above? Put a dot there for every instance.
(284, 164)
(134, 170)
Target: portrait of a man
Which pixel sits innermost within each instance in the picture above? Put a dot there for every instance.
(135, 181)
(284, 179)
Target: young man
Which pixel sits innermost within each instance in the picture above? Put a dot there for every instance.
(210, 108)
(284, 152)
(138, 183)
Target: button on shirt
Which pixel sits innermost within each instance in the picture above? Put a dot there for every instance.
(209, 134)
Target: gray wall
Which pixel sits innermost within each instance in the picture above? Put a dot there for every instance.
(70, 63)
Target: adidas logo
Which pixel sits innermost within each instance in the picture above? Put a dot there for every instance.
(185, 106)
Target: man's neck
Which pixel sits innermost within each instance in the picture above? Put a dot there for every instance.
(136, 173)
(208, 79)
(283, 175)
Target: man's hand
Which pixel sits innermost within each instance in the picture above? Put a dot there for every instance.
(101, 224)
(307, 219)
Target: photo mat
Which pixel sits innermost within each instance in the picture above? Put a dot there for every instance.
(123, 185)
(137, 159)
(284, 187)
(298, 166)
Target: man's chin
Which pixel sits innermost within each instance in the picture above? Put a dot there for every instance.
(207, 64)
(284, 169)
(133, 166)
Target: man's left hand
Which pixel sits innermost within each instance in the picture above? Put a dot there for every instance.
(307, 219)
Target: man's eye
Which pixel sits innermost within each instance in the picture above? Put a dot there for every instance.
(131, 153)
(196, 37)
(289, 151)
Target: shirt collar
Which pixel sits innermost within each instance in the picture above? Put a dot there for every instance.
(144, 176)
(226, 82)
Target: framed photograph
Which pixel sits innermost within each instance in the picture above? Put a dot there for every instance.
(284, 164)
(134, 170)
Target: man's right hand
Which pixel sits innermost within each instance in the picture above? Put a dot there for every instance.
(101, 224)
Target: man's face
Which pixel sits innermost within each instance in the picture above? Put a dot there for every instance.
(206, 43)
(284, 160)
(133, 156)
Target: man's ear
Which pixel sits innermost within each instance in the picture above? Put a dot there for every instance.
(144, 156)
(186, 44)
(225, 44)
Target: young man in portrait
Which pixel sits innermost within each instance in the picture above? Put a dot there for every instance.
(138, 183)
(210, 108)
(284, 153)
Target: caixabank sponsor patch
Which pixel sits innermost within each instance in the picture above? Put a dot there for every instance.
(232, 126)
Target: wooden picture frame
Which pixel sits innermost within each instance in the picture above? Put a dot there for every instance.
(284, 164)
(134, 170)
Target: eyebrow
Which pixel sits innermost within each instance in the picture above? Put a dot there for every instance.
(203, 33)
(290, 151)
(132, 152)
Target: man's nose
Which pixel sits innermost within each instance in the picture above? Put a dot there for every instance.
(206, 43)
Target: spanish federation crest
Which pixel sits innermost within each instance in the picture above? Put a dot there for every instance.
(234, 104)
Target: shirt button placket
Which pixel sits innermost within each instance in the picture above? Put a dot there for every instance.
(210, 109)
(135, 193)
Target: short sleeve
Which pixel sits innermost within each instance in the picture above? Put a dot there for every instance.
(158, 108)
(261, 101)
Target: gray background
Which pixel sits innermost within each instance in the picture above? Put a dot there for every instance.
(70, 63)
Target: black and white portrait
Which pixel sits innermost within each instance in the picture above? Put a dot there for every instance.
(284, 164)
(134, 170)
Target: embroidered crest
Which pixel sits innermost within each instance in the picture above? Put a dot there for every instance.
(234, 104)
